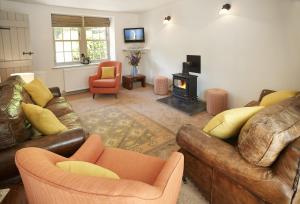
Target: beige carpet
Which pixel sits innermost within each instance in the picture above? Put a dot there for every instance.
(136, 121)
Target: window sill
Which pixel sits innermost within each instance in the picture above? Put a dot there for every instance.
(74, 65)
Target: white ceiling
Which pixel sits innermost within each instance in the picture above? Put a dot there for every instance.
(104, 5)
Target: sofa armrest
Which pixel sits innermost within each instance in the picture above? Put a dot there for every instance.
(252, 103)
(170, 177)
(90, 151)
(92, 78)
(65, 143)
(55, 91)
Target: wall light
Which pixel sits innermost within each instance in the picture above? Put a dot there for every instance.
(167, 19)
(225, 9)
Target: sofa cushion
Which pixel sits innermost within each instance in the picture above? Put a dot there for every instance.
(104, 83)
(70, 120)
(107, 72)
(228, 123)
(59, 106)
(86, 169)
(276, 97)
(39, 92)
(14, 127)
(267, 133)
(43, 119)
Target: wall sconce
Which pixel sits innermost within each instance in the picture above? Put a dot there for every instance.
(167, 19)
(225, 9)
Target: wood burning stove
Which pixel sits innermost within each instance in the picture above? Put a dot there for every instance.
(185, 86)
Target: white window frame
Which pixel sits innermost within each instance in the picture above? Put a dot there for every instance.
(82, 46)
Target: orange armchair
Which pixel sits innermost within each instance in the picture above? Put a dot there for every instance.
(106, 86)
(144, 179)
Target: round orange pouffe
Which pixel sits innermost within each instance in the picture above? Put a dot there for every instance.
(161, 85)
(216, 101)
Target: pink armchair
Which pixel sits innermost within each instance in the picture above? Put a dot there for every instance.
(106, 86)
(144, 179)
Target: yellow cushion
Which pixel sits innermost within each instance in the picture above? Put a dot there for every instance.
(228, 123)
(43, 119)
(39, 92)
(276, 97)
(108, 73)
(86, 169)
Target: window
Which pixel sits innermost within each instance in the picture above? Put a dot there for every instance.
(67, 44)
(72, 38)
(97, 43)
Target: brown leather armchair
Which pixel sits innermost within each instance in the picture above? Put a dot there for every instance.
(224, 176)
(16, 133)
(106, 86)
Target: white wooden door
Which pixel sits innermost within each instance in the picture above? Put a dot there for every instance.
(15, 49)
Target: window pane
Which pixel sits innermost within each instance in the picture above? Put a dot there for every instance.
(96, 33)
(104, 50)
(58, 33)
(74, 34)
(89, 35)
(59, 57)
(66, 33)
(59, 47)
(67, 46)
(68, 56)
(75, 46)
(103, 34)
(75, 56)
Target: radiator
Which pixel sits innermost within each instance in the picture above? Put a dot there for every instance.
(77, 78)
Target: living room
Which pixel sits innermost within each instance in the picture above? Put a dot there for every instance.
(136, 88)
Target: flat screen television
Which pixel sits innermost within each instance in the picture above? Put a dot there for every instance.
(134, 35)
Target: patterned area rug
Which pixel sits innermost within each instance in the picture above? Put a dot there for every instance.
(120, 126)
(124, 128)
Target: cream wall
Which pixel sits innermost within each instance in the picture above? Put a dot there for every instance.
(256, 47)
(42, 39)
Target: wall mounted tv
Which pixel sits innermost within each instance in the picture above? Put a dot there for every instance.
(134, 35)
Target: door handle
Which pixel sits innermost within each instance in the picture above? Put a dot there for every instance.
(28, 53)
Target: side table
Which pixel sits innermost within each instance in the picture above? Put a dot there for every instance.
(128, 80)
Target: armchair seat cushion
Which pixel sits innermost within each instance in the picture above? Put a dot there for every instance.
(104, 83)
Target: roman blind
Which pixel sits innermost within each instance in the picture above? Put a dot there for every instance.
(78, 21)
(96, 22)
(66, 21)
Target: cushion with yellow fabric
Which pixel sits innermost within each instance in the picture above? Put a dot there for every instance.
(108, 73)
(86, 169)
(276, 97)
(39, 92)
(228, 123)
(43, 119)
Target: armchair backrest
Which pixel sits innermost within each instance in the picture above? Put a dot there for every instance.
(116, 64)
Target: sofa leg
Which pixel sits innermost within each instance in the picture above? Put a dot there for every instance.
(116, 95)
(94, 96)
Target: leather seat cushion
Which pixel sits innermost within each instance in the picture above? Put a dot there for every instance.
(104, 83)
(59, 106)
(267, 133)
(71, 120)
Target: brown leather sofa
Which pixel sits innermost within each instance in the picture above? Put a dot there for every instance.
(224, 174)
(16, 132)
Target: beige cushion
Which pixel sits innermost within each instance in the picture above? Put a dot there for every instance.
(267, 133)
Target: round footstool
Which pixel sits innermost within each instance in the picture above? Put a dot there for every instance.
(216, 100)
(161, 85)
